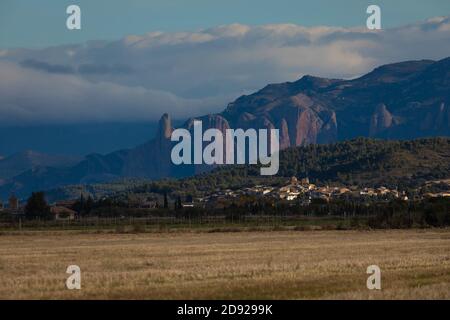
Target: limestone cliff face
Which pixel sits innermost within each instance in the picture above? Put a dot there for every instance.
(300, 119)
(381, 120)
(211, 121)
(437, 119)
(215, 121)
(245, 120)
(285, 142)
(313, 127)
(164, 134)
(165, 128)
(152, 159)
(442, 118)
(329, 128)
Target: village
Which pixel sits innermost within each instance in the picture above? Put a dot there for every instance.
(302, 192)
(299, 192)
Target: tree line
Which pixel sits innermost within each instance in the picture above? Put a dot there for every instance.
(395, 213)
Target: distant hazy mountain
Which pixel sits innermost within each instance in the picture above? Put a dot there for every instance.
(397, 101)
(23, 161)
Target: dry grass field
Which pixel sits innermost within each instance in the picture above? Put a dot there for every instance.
(415, 264)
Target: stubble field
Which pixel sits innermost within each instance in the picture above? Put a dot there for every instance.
(415, 264)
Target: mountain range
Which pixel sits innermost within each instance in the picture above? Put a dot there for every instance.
(27, 160)
(403, 100)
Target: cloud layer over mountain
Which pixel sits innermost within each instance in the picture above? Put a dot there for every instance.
(193, 73)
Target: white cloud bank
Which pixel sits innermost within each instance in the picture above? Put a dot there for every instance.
(192, 73)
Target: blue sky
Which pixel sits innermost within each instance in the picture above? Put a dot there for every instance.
(26, 23)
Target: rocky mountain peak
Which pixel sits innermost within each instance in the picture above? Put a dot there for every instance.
(165, 127)
(395, 72)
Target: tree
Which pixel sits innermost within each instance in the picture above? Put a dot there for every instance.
(83, 206)
(89, 205)
(166, 203)
(79, 205)
(37, 206)
(178, 204)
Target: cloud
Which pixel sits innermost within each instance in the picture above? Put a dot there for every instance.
(47, 67)
(190, 73)
(25, 98)
(104, 69)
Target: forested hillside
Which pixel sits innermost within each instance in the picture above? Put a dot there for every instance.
(362, 162)
(370, 162)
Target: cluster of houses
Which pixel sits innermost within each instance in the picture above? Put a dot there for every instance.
(13, 205)
(60, 210)
(303, 192)
(439, 194)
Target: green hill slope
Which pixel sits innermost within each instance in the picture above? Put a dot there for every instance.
(362, 161)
